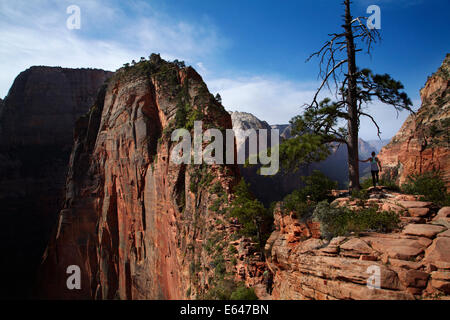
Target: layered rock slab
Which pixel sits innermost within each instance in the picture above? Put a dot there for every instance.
(412, 263)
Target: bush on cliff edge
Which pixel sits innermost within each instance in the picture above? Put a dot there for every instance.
(430, 185)
(341, 221)
(302, 201)
(255, 219)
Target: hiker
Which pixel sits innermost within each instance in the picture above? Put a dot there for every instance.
(268, 280)
(375, 168)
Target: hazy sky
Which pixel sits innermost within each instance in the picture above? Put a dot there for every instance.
(252, 52)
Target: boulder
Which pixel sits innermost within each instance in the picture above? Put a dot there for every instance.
(418, 212)
(423, 230)
(444, 234)
(356, 247)
(444, 212)
(438, 253)
(414, 204)
(395, 246)
(441, 281)
(413, 278)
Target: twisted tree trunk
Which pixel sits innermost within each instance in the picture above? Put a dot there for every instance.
(352, 103)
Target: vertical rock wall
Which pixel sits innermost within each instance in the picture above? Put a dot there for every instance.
(36, 135)
(133, 221)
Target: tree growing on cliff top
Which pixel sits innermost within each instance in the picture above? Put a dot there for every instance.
(255, 219)
(321, 122)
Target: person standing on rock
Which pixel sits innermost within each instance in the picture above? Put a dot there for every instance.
(375, 168)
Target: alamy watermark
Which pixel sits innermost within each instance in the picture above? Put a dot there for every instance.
(374, 280)
(374, 21)
(74, 280)
(190, 150)
(74, 20)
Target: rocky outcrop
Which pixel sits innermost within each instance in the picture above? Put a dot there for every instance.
(36, 135)
(138, 225)
(243, 121)
(422, 143)
(413, 262)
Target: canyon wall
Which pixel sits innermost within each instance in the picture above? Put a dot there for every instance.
(135, 223)
(422, 143)
(36, 135)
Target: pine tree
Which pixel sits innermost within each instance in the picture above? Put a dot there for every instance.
(354, 88)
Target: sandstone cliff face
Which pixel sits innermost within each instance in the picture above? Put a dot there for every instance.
(134, 222)
(414, 262)
(36, 135)
(422, 143)
(243, 121)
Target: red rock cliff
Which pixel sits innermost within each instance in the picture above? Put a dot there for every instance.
(413, 262)
(422, 143)
(133, 221)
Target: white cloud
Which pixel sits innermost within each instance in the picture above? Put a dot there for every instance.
(276, 101)
(35, 33)
(268, 98)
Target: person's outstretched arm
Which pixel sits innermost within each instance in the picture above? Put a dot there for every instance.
(364, 160)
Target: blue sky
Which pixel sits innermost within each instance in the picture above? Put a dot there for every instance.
(252, 52)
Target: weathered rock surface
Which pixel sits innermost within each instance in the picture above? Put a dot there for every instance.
(421, 144)
(137, 224)
(413, 262)
(36, 135)
(423, 230)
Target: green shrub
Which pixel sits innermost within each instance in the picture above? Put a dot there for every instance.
(317, 188)
(340, 221)
(360, 194)
(220, 290)
(243, 293)
(227, 289)
(366, 183)
(385, 182)
(295, 202)
(430, 185)
(232, 249)
(217, 188)
(252, 215)
(390, 184)
(215, 205)
(219, 266)
(200, 176)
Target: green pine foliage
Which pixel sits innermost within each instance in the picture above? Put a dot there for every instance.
(227, 289)
(243, 293)
(430, 185)
(255, 219)
(341, 221)
(317, 188)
